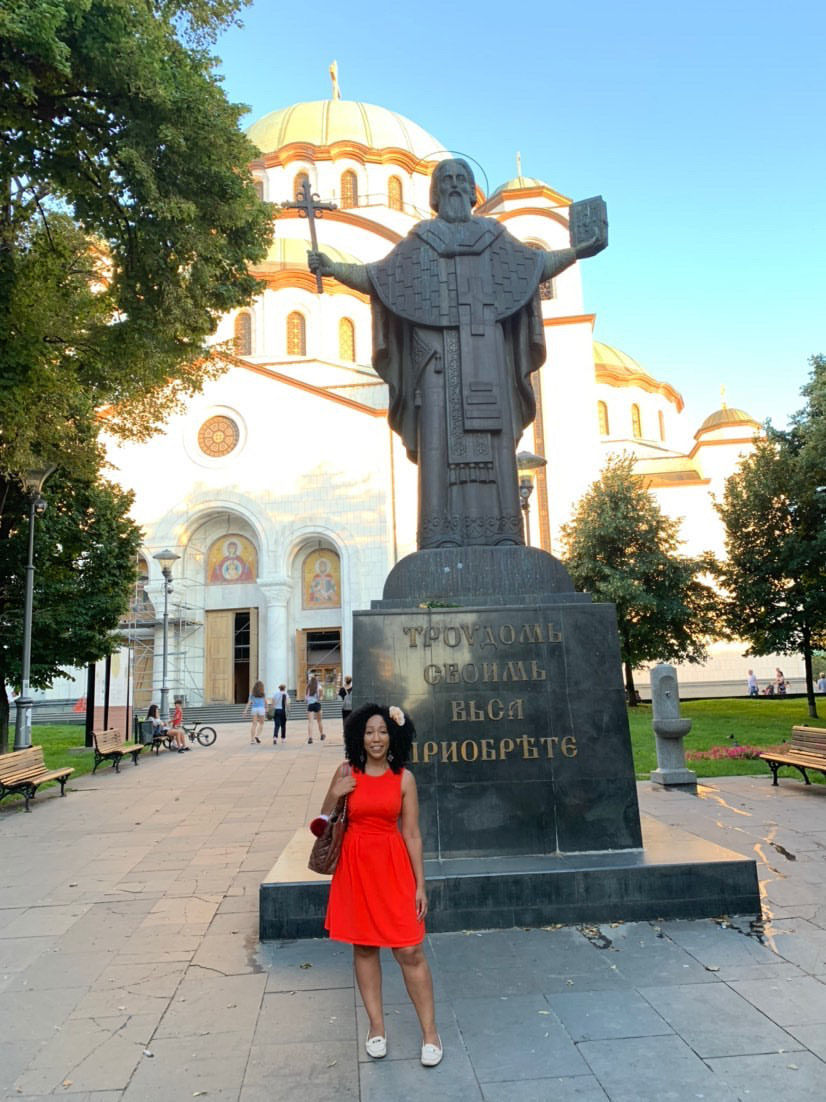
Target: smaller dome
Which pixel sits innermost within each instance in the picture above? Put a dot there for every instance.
(607, 355)
(617, 368)
(726, 417)
(521, 183)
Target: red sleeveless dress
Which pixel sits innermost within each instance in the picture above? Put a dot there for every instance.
(373, 892)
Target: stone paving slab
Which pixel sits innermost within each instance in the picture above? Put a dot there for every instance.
(130, 967)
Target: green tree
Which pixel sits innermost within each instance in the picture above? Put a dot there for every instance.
(774, 512)
(621, 548)
(85, 554)
(128, 222)
(128, 219)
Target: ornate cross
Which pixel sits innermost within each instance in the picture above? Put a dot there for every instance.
(310, 207)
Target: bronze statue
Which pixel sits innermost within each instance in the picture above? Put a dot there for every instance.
(457, 332)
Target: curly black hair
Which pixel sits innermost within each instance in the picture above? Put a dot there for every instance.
(400, 737)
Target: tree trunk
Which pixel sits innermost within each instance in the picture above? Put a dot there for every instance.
(807, 662)
(630, 691)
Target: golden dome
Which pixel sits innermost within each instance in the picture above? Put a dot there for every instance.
(520, 183)
(726, 417)
(607, 356)
(323, 122)
(616, 368)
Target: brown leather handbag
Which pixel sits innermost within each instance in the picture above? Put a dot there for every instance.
(327, 847)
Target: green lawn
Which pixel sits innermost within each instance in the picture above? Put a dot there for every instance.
(63, 745)
(727, 722)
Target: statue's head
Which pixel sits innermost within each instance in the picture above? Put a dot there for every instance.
(453, 190)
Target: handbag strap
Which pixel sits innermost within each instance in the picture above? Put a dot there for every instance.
(345, 772)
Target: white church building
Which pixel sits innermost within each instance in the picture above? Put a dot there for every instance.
(281, 487)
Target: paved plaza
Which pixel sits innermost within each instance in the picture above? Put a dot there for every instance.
(130, 966)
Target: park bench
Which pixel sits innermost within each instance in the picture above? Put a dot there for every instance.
(23, 771)
(805, 750)
(111, 746)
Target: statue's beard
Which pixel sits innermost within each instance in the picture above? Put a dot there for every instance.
(455, 208)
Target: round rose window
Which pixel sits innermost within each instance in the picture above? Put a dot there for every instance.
(218, 436)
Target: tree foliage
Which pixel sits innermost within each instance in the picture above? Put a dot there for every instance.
(774, 512)
(85, 553)
(128, 222)
(127, 216)
(621, 548)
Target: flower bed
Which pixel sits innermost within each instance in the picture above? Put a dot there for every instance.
(721, 753)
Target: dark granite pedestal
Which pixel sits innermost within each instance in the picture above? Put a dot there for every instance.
(674, 875)
(523, 759)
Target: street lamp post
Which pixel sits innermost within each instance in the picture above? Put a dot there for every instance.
(527, 462)
(165, 559)
(32, 483)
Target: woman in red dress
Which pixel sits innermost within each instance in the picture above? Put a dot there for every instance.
(378, 897)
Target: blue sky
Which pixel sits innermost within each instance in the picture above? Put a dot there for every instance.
(702, 125)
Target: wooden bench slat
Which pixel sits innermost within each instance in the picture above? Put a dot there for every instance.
(23, 771)
(111, 746)
(806, 749)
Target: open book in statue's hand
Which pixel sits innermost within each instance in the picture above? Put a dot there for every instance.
(588, 222)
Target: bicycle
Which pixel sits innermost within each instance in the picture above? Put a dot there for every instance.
(205, 735)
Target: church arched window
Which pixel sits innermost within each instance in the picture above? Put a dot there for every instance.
(394, 193)
(546, 287)
(661, 420)
(346, 340)
(636, 423)
(243, 335)
(300, 180)
(296, 334)
(349, 189)
(602, 414)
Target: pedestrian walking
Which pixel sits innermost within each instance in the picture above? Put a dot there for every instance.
(346, 694)
(280, 703)
(257, 707)
(312, 698)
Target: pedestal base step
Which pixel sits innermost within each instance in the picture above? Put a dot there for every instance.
(675, 875)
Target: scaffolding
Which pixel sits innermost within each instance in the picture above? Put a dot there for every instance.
(185, 648)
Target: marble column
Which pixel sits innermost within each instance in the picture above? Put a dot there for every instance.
(273, 638)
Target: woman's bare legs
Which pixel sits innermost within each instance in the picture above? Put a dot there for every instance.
(367, 966)
(419, 984)
(256, 727)
(178, 736)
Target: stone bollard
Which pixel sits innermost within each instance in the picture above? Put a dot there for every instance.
(669, 729)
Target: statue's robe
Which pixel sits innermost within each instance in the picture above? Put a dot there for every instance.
(457, 332)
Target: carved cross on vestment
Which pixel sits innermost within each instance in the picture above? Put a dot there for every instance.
(481, 398)
(309, 206)
(475, 291)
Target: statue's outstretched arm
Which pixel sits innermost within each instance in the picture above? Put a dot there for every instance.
(591, 244)
(557, 261)
(351, 275)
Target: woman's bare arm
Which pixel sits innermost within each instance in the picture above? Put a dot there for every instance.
(413, 838)
(340, 785)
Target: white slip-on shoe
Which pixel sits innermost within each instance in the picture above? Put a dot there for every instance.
(376, 1047)
(432, 1054)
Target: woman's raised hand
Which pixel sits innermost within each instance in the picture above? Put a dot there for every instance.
(343, 786)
